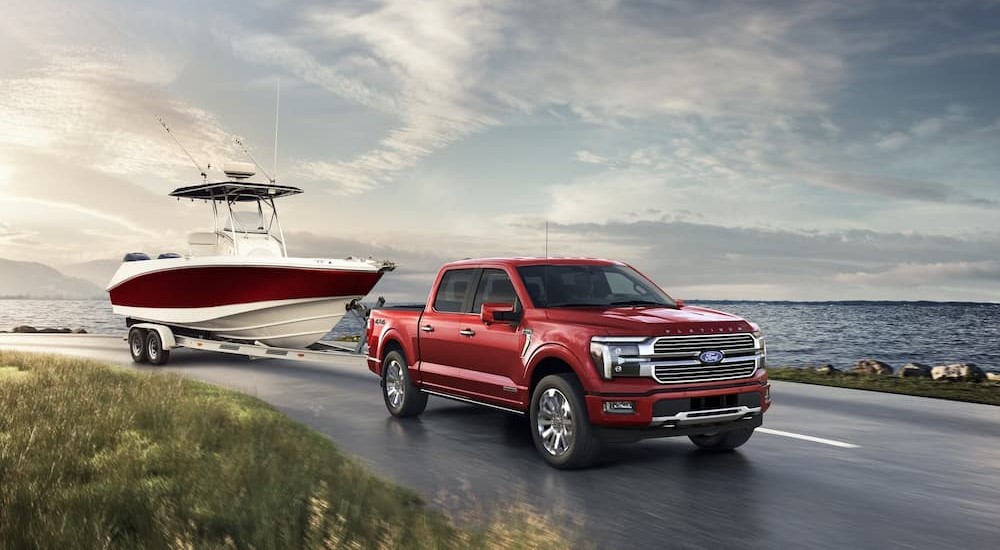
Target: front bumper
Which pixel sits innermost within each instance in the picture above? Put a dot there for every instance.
(675, 411)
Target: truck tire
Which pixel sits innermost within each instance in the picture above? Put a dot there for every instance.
(560, 426)
(154, 349)
(722, 442)
(402, 398)
(137, 344)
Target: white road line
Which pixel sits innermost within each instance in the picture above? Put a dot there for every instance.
(809, 438)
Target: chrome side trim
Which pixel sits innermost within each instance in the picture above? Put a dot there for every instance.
(472, 401)
(712, 416)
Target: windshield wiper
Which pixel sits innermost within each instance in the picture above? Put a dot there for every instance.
(575, 304)
(639, 303)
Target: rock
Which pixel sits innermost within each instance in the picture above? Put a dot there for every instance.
(49, 330)
(871, 366)
(79, 331)
(958, 371)
(24, 329)
(993, 376)
(914, 370)
(828, 370)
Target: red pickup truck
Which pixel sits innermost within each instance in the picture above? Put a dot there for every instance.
(590, 350)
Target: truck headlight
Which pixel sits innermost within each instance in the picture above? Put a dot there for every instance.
(612, 358)
(761, 347)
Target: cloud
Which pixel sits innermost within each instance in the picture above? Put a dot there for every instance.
(937, 273)
(456, 68)
(709, 261)
(897, 188)
(89, 109)
(893, 141)
(590, 158)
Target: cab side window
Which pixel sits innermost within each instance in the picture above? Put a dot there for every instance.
(494, 287)
(454, 290)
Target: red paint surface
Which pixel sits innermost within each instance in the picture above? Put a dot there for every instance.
(209, 286)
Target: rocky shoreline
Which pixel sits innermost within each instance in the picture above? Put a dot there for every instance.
(952, 372)
(28, 329)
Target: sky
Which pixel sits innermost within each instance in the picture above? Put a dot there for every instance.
(774, 150)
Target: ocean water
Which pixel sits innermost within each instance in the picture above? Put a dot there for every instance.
(798, 333)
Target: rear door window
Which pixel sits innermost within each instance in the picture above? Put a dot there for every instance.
(452, 293)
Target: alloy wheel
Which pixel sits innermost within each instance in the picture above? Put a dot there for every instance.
(394, 384)
(555, 422)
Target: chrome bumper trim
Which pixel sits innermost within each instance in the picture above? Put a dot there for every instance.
(712, 416)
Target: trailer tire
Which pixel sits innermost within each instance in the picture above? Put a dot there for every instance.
(137, 345)
(402, 398)
(154, 349)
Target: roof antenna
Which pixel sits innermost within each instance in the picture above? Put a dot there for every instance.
(204, 176)
(277, 104)
(546, 238)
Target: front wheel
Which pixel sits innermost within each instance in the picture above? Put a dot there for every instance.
(560, 426)
(722, 442)
(401, 397)
(137, 344)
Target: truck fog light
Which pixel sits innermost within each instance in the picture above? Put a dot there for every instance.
(619, 407)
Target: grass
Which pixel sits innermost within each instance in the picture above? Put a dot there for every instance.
(93, 456)
(972, 392)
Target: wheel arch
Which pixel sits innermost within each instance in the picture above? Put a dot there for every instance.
(550, 359)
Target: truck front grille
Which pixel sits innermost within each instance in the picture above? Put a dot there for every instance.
(684, 374)
(675, 358)
(693, 345)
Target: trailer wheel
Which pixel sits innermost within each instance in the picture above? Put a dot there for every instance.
(154, 349)
(402, 398)
(137, 344)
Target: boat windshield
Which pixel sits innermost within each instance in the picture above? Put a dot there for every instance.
(603, 286)
(246, 220)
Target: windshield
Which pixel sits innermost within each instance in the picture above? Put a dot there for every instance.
(590, 286)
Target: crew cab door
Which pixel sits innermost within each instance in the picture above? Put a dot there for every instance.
(443, 356)
(459, 354)
(496, 347)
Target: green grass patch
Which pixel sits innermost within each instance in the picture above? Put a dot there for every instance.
(972, 392)
(93, 456)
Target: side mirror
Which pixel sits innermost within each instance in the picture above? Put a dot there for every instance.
(499, 313)
(680, 303)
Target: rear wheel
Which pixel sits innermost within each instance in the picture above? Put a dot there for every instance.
(137, 344)
(560, 426)
(154, 349)
(722, 442)
(402, 398)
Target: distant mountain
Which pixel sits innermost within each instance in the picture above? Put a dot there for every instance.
(35, 280)
(98, 272)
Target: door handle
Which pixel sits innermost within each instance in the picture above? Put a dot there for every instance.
(427, 328)
(467, 332)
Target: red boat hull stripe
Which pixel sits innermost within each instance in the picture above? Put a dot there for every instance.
(227, 285)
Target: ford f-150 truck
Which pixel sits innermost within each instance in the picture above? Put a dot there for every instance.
(590, 350)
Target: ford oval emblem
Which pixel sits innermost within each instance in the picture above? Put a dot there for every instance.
(711, 357)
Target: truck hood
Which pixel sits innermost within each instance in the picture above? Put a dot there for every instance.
(650, 321)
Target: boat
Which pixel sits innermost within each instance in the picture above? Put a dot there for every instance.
(237, 282)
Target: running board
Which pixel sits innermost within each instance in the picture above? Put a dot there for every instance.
(473, 402)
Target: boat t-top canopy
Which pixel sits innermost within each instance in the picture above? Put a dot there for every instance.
(235, 191)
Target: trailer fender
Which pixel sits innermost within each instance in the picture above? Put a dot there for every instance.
(166, 335)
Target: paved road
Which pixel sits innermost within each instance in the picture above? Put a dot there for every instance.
(876, 470)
